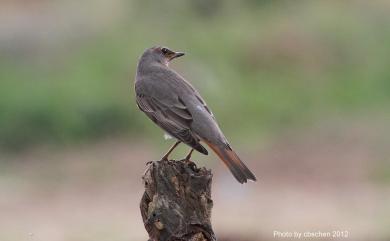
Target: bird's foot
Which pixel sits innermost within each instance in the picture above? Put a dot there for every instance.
(186, 161)
(191, 165)
(164, 158)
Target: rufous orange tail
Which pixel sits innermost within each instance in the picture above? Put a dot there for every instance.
(239, 170)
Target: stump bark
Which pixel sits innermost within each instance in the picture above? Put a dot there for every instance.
(176, 204)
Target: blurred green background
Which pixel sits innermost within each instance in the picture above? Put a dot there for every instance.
(67, 74)
(301, 88)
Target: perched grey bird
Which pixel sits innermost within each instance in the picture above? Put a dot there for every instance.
(177, 107)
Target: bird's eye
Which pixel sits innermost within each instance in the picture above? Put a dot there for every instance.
(164, 50)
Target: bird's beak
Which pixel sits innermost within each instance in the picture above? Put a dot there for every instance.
(177, 54)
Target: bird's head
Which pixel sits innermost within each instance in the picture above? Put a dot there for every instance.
(161, 54)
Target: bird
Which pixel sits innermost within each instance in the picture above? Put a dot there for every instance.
(173, 104)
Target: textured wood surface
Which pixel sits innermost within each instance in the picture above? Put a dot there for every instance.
(176, 205)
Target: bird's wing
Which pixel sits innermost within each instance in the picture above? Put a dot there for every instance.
(200, 99)
(171, 116)
(181, 81)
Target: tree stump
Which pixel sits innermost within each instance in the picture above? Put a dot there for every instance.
(176, 204)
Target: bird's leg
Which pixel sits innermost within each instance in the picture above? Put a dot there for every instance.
(188, 157)
(189, 163)
(165, 157)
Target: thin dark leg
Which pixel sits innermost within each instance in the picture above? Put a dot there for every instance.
(188, 157)
(165, 157)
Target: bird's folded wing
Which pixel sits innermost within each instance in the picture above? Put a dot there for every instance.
(173, 117)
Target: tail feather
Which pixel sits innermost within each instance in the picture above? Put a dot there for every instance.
(200, 148)
(239, 170)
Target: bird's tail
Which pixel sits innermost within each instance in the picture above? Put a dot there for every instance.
(233, 162)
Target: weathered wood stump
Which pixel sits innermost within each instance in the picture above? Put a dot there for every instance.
(176, 205)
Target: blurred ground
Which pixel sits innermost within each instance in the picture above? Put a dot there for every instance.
(307, 182)
(300, 88)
